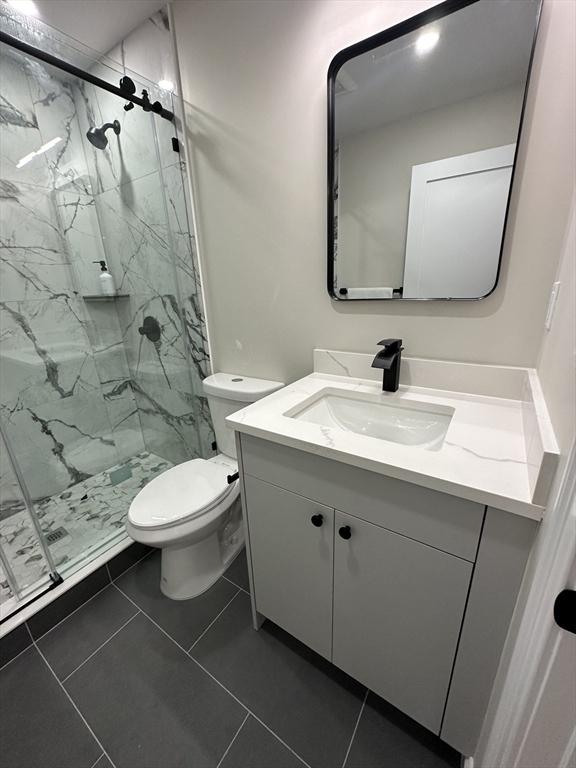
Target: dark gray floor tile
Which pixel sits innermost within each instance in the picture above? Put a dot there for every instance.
(45, 619)
(386, 738)
(72, 641)
(184, 620)
(151, 705)
(309, 703)
(103, 763)
(238, 571)
(39, 727)
(14, 643)
(256, 747)
(127, 558)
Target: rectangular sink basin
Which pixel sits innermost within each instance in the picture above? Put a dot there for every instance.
(407, 422)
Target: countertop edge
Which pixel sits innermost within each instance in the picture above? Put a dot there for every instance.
(507, 504)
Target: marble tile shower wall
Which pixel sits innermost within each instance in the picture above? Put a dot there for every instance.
(81, 388)
(140, 199)
(52, 404)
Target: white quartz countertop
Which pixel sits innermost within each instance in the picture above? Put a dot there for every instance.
(484, 456)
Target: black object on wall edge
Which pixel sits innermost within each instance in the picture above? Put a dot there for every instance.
(565, 610)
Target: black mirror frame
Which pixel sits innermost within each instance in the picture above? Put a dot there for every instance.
(375, 41)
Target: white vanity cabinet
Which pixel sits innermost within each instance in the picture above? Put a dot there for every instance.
(383, 607)
(398, 607)
(292, 562)
(408, 590)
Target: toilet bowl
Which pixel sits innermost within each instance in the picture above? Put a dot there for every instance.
(192, 512)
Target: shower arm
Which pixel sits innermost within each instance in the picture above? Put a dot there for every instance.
(77, 72)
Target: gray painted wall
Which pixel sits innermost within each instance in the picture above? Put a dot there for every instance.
(255, 74)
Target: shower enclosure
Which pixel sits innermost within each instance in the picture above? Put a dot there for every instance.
(98, 394)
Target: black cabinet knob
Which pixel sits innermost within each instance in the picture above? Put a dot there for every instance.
(345, 532)
(317, 520)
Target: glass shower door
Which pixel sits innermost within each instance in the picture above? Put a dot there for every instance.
(98, 394)
(25, 560)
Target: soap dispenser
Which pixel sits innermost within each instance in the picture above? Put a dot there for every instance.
(107, 287)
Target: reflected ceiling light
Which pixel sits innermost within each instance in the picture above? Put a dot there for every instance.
(426, 42)
(44, 148)
(48, 145)
(25, 160)
(26, 7)
(167, 85)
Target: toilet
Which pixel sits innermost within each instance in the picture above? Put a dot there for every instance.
(192, 511)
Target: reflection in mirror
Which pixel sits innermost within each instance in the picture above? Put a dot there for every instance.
(424, 120)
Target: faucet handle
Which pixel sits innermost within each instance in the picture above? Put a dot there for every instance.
(391, 345)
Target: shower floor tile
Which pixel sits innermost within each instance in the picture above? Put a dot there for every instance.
(91, 513)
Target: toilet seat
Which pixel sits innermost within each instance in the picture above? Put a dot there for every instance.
(180, 494)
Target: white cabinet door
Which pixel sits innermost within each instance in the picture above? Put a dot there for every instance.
(455, 224)
(398, 607)
(291, 546)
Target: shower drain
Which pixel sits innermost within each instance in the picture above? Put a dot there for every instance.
(56, 535)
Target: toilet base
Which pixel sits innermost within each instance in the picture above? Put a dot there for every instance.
(190, 570)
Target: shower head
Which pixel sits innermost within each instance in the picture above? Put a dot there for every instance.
(97, 136)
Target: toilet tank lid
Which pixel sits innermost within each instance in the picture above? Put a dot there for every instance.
(240, 388)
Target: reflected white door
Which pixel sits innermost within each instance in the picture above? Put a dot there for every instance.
(455, 224)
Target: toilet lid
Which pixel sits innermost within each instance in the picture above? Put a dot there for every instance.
(181, 493)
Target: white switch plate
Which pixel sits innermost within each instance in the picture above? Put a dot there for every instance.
(551, 305)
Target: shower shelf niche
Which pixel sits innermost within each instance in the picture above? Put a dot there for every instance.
(102, 297)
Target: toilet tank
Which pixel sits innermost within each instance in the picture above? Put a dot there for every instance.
(228, 393)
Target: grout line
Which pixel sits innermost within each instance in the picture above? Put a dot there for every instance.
(355, 729)
(233, 740)
(17, 656)
(101, 646)
(97, 761)
(213, 621)
(234, 584)
(71, 700)
(288, 747)
(69, 614)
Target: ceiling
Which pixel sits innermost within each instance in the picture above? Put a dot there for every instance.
(481, 48)
(99, 24)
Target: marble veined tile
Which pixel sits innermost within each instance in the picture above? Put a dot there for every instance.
(11, 500)
(33, 260)
(150, 51)
(45, 353)
(5, 591)
(188, 276)
(136, 237)
(128, 156)
(117, 390)
(19, 131)
(62, 442)
(55, 109)
(78, 220)
(92, 512)
(183, 240)
(19, 542)
(165, 358)
(170, 429)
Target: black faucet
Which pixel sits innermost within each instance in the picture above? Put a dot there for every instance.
(389, 360)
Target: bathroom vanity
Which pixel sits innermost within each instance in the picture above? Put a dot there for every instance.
(389, 532)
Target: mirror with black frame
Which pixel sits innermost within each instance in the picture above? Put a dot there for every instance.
(423, 124)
